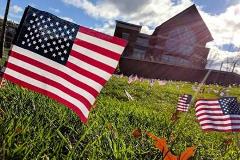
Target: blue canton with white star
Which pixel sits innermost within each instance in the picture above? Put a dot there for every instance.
(229, 105)
(47, 35)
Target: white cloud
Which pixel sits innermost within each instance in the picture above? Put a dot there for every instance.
(68, 19)
(54, 10)
(16, 9)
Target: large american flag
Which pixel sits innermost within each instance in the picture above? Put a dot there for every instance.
(184, 102)
(219, 115)
(62, 60)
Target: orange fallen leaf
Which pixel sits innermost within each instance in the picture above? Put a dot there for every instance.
(137, 133)
(161, 144)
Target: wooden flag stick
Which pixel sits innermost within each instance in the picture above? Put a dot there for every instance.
(3, 29)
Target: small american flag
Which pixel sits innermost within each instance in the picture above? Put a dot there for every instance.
(62, 60)
(184, 102)
(219, 115)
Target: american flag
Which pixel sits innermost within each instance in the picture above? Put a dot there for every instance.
(184, 102)
(62, 60)
(219, 115)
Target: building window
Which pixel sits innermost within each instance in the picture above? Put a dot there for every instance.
(175, 60)
(142, 41)
(125, 35)
(138, 53)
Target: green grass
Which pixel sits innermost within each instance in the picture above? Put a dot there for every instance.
(33, 126)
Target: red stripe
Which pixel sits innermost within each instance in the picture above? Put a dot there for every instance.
(210, 114)
(207, 104)
(103, 36)
(86, 73)
(51, 83)
(182, 107)
(49, 94)
(92, 62)
(56, 72)
(221, 130)
(97, 49)
(221, 125)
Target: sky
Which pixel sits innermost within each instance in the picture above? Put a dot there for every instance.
(221, 17)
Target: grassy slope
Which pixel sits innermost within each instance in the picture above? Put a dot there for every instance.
(34, 126)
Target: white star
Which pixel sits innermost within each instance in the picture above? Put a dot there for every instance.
(29, 28)
(68, 31)
(45, 26)
(36, 47)
(23, 42)
(38, 23)
(57, 36)
(49, 19)
(65, 39)
(42, 33)
(59, 53)
(51, 49)
(40, 40)
(28, 40)
(59, 28)
(41, 16)
(31, 33)
(33, 26)
(70, 37)
(62, 46)
(40, 28)
(54, 30)
(48, 31)
(62, 34)
(73, 30)
(34, 14)
(65, 52)
(26, 36)
(29, 44)
(57, 23)
(45, 51)
(57, 48)
(51, 24)
(37, 35)
(54, 55)
(43, 21)
(36, 19)
(34, 42)
(43, 46)
(59, 41)
(62, 58)
(51, 37)
(68, 44)
(32, 37)
(35, 30)
(48, 44)
(65, 27)
(31, 21)
(54, 42)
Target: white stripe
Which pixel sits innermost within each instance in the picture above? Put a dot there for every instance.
(182, 101)
(100, 42)
(52, 77)
(97, 71)
(220, 127)
(94, 55)
(59, 67)
(208, 107)
(183, 104)
(48, 88)
(207, 102)
(220, 122)
(206, 111)
(180, 109)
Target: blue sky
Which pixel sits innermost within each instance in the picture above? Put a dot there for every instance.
(221, 16)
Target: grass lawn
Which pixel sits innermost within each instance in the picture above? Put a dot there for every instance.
(33, 126)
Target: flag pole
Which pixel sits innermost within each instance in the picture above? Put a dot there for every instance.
(3, 29)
